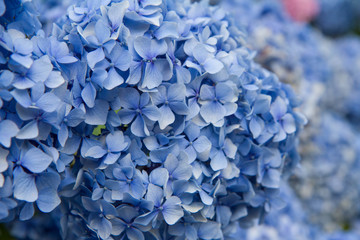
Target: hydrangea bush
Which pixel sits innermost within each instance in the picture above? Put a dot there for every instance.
(139, 120)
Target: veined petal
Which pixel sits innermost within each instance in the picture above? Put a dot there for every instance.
(24, 186)
(212, 112)
(36, 160)
(113, 80)
(95, 152)
(172, 210)
(219, 161)
(88, 94)
(116, 141)
(152, 76)
(94, 57)
(8, 130)
(167, 117)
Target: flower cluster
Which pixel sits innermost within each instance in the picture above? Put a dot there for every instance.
(346, 92)
(324, 181)
(347, 16)
(326, 78)
(140, 118)
(289, 49)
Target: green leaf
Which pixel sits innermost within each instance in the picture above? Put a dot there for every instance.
(97, 130)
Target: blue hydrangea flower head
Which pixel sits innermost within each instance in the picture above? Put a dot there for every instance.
(139, 119)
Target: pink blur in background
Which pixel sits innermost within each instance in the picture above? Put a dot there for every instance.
(301, 10)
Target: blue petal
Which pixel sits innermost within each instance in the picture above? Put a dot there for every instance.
(111, 158)
(40, 70)
(97, 194)
(229, 148)
(167, 116)
(22, 97)
(146, 218)
(218, 161)
(191, 153)
(182, 75)
(75, 117)
(179, 108)
(256, 126)
(138, 127)
(183, 171)
(137, 188)
(134, 234)
(102, 225)
(6, 77)
(27, 212)
(159, 177)
(212, 112)
(167, 30)
(135, 73)
(202, 144)
(90, 205)
(288, 123)
(205, 198)
(176, 92)
(102, 33)
(224, 92)
(95, 152)
(172, 210)
(262, 104)
(8, 130)
(159, 97)
(126, 116)
(3, 161)
(48, 102)
(63, 134)
(54, 80)
(152, 113)
(21, 82)
(152, 76)
(66, 59)
(116, 141)
(25, 61)
(271, 178)
(94, 57)
(113, 80)
(278, 108)
(207, 92)
(129, 98)
(223, 214)
(36, 160)
(2, 7)
(98, 114)
(149, 48)
(155, 194)
(28, 131)
(88, 94)
(121, 58)
(48, 200)
(116, 13)
(209, 230)
(24, 186)
(199, 52)
(213, 66)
